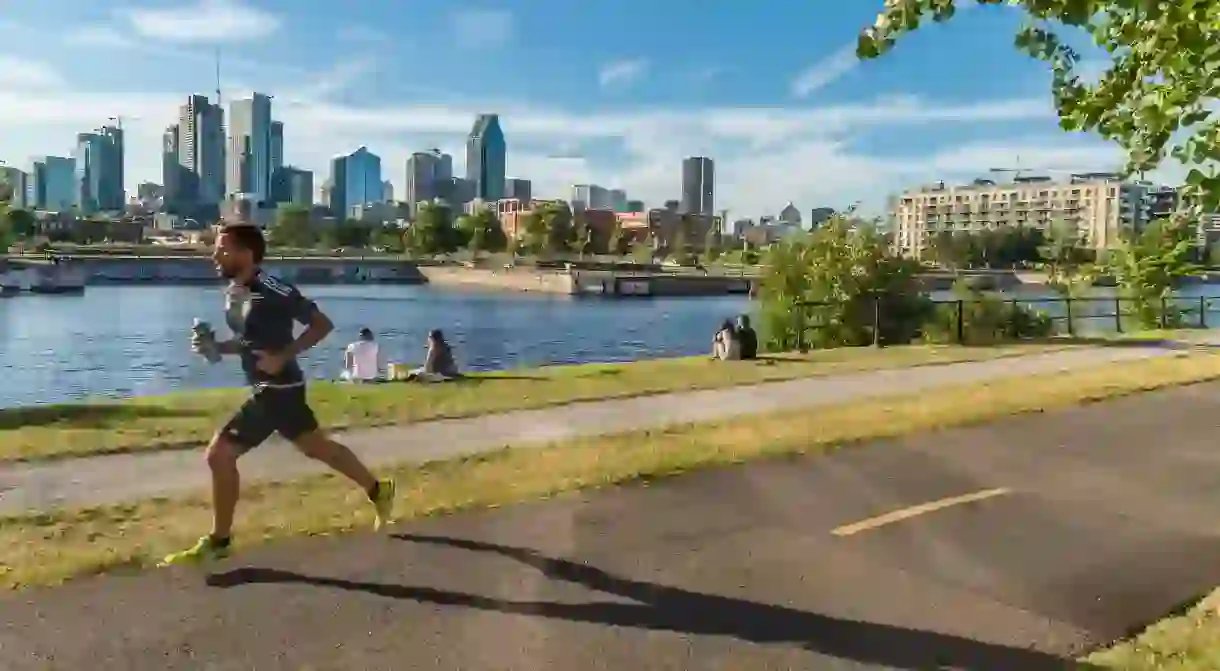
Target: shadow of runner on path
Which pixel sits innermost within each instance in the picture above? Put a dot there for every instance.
(677, 610)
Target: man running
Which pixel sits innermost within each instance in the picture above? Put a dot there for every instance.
(261, 311)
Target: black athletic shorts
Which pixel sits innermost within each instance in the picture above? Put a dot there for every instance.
(269, 410)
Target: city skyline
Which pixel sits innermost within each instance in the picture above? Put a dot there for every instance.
(622, 114)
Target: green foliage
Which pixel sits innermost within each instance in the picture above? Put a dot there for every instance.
(618, 244)
(20, 223)
(1148, 266)
(388, 238)
(1002, 247)
(432, 232)
(1066, 259)
(712, 246)
(560, 229)
(985, 320)
(641, 251)
(1157, 98)
(533, 234)
(292, 228)
(827, 290)
(482, 232)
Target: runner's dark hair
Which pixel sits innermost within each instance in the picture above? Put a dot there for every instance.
(249, 237)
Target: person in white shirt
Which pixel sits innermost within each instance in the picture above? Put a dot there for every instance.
(362, 359)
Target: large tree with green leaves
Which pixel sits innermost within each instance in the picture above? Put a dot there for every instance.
(432, 231)
(1149, 265)
(482, 232)
(1155, 100)
(292, 228)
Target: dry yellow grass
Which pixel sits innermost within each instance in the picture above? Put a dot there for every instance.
(189, 418)
(48, 548)
(1185, 642)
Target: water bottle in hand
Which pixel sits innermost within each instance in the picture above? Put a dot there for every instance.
(204, 341)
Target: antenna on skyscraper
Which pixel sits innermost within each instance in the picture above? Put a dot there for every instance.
(218, 75)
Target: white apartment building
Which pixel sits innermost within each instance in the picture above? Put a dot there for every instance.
(1101, 205)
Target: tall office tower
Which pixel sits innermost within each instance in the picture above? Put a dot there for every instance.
(521, 189)
(355, 181)
(698, 185)
(427, 175)
(99, 171)
(292, 185)
(249, 162)
(51, 184)
(277, 146)
(618, 200)
(201, 151)
(486, 156)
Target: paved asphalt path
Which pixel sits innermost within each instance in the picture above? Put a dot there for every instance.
(110, 479)
(1098, 518)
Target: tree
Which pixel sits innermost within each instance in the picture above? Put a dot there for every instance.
(620, 243)
(483, 232)
(711, 246)
(1155, 100)
(1149, 265)
(292, 228)
(432, 231)
(20, 223)
(560, 231)
(830, 289)
(1065, 258)
(389, 238)
(533, 234)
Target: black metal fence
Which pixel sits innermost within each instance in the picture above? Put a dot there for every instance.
(1097, 314)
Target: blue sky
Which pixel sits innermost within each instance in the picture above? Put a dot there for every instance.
(610, 93)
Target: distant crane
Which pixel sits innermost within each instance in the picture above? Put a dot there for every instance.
(1016, 172)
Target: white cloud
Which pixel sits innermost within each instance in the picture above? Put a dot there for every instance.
(622, 73)
(765, 157)
(22, 73)
(481, 28)
(825, 71)
(208, 21)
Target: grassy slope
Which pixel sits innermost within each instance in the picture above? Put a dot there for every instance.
(189, 418)
(47, 548)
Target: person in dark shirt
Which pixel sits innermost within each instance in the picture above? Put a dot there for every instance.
(747, 338)
(262, 312)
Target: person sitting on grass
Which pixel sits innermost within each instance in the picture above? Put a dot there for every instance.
(362, 359)
(747, 337)
(439, 364)
(725, 345)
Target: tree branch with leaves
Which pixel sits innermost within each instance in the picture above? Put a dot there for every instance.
(1155, 100)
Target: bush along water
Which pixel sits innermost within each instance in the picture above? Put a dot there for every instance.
(840, 286)
(984, 320)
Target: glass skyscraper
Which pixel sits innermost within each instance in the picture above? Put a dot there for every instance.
(355, 181)
(486, 155)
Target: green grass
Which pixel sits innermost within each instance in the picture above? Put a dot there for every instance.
(1187, 641)
(50, 547)
(188, 419)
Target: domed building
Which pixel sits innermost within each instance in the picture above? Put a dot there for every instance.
(790, 215)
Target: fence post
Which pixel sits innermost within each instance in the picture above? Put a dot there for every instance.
(800, 327)
(1118, 314)
(1202, 312)
(961, 322)
(876, 321)
(1164, 309)
(1068, 303)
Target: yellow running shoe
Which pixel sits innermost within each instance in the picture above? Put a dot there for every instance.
(384, 503)
(204, 550)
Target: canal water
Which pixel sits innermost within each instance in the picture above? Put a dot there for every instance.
(133, 340)
(116, 341)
